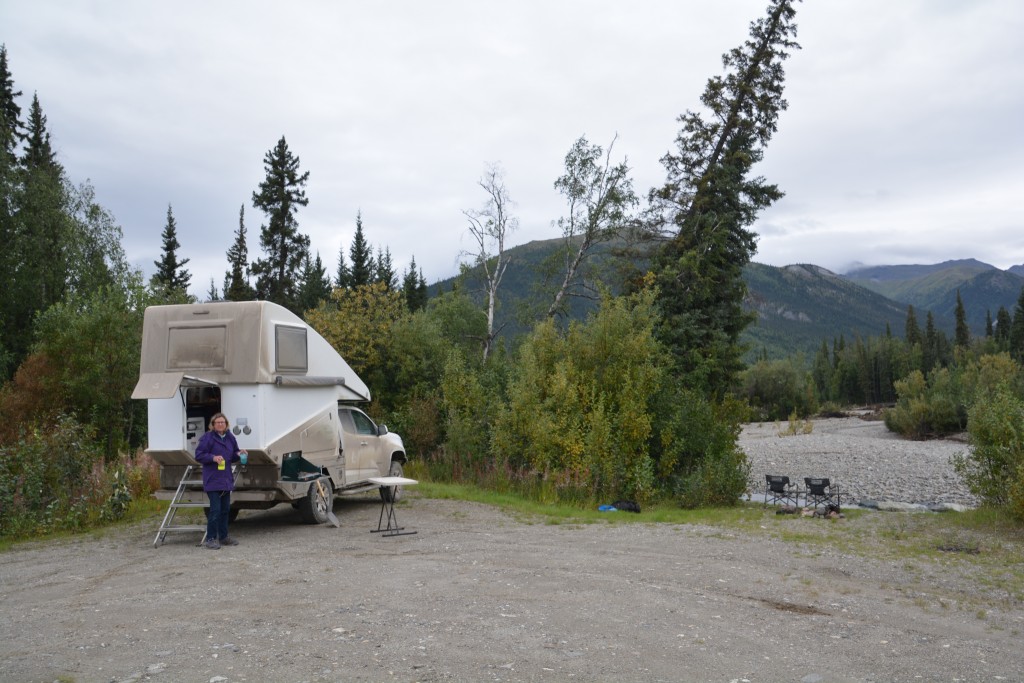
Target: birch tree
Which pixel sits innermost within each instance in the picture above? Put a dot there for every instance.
(600, 197)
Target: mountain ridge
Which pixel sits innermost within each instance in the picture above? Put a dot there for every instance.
(797, 305)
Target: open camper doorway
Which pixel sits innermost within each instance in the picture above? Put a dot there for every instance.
(201, 404)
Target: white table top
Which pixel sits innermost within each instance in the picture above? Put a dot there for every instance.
(392, 481)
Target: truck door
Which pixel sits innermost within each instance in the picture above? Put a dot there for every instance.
(362, 445)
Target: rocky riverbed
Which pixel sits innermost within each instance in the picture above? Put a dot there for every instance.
(869, 463)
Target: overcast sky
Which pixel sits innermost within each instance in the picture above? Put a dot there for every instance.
(902, 142)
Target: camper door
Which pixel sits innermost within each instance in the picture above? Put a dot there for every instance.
(180, 407)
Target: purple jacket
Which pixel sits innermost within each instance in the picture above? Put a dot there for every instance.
(211, 444)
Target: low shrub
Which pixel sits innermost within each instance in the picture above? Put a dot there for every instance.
(925, 408)
(994, 467)
(56, 480)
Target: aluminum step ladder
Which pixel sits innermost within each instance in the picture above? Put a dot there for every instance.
(187, 483)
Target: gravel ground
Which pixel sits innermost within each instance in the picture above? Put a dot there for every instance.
(863, 457)
(481, 595)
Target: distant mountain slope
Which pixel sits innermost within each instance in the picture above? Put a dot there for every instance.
(798, 306)
(983, 288)
(984, 293)
(923, 286)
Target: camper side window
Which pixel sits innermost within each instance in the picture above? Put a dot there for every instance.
(291, 349)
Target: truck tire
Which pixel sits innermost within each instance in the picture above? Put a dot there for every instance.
(315, 506)
(387, 493)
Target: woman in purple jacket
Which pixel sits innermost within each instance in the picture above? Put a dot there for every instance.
(216, 450)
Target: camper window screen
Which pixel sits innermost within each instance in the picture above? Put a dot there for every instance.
(291, 349)
(189, 348)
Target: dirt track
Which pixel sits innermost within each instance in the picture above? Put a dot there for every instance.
(477, 595)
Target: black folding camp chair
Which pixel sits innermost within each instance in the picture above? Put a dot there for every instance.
(778, 489)
(821, 492)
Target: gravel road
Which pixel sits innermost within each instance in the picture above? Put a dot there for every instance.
(481, 595)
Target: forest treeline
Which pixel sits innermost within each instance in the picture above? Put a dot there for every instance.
(642, 400)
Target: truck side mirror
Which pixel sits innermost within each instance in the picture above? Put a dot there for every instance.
(382, 430)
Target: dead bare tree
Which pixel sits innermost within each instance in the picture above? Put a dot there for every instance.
(489, 227)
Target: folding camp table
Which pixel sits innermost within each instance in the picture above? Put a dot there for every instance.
(387, 508)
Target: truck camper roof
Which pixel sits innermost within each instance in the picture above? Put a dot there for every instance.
(237, 342)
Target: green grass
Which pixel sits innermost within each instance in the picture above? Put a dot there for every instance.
(138, 511)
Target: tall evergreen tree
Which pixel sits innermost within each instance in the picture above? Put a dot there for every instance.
(14, 336)
(930, 347)
(10, 112)
(236, 280)
(361, 256)
(55, 240)
(11, 135)
(171, 276)
(414, 287)
(1017, 330)
(384, 271)
(963, 333)
(38, 150)
(821, 373)
(912, 331)
(343, 276)
(280, 195)
(42, 224)
(988, 324)
(212, 294)
(316, 284)
(1002, 332)
(709, 200)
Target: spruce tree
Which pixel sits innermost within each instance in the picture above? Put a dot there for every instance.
(988, 324)
(171, 277)
(414, 287)
(315, 283)
(963, 333)
(821, 372)
(930, 346)
(384, 270)
(912, 330)
(236, 280)
(709, 199)
(361, 256)
(1002, 331)
(15, 333)
(280, 195)
(42, 224)
(1016, 336)
(11, 135)
(10, 112)
(343, 276)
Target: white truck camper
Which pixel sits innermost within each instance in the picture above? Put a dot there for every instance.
(287, 394)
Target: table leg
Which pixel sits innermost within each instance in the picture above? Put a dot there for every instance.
(392, 529)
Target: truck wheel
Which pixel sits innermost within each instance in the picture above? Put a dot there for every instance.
(318, 502)
(393, 494)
